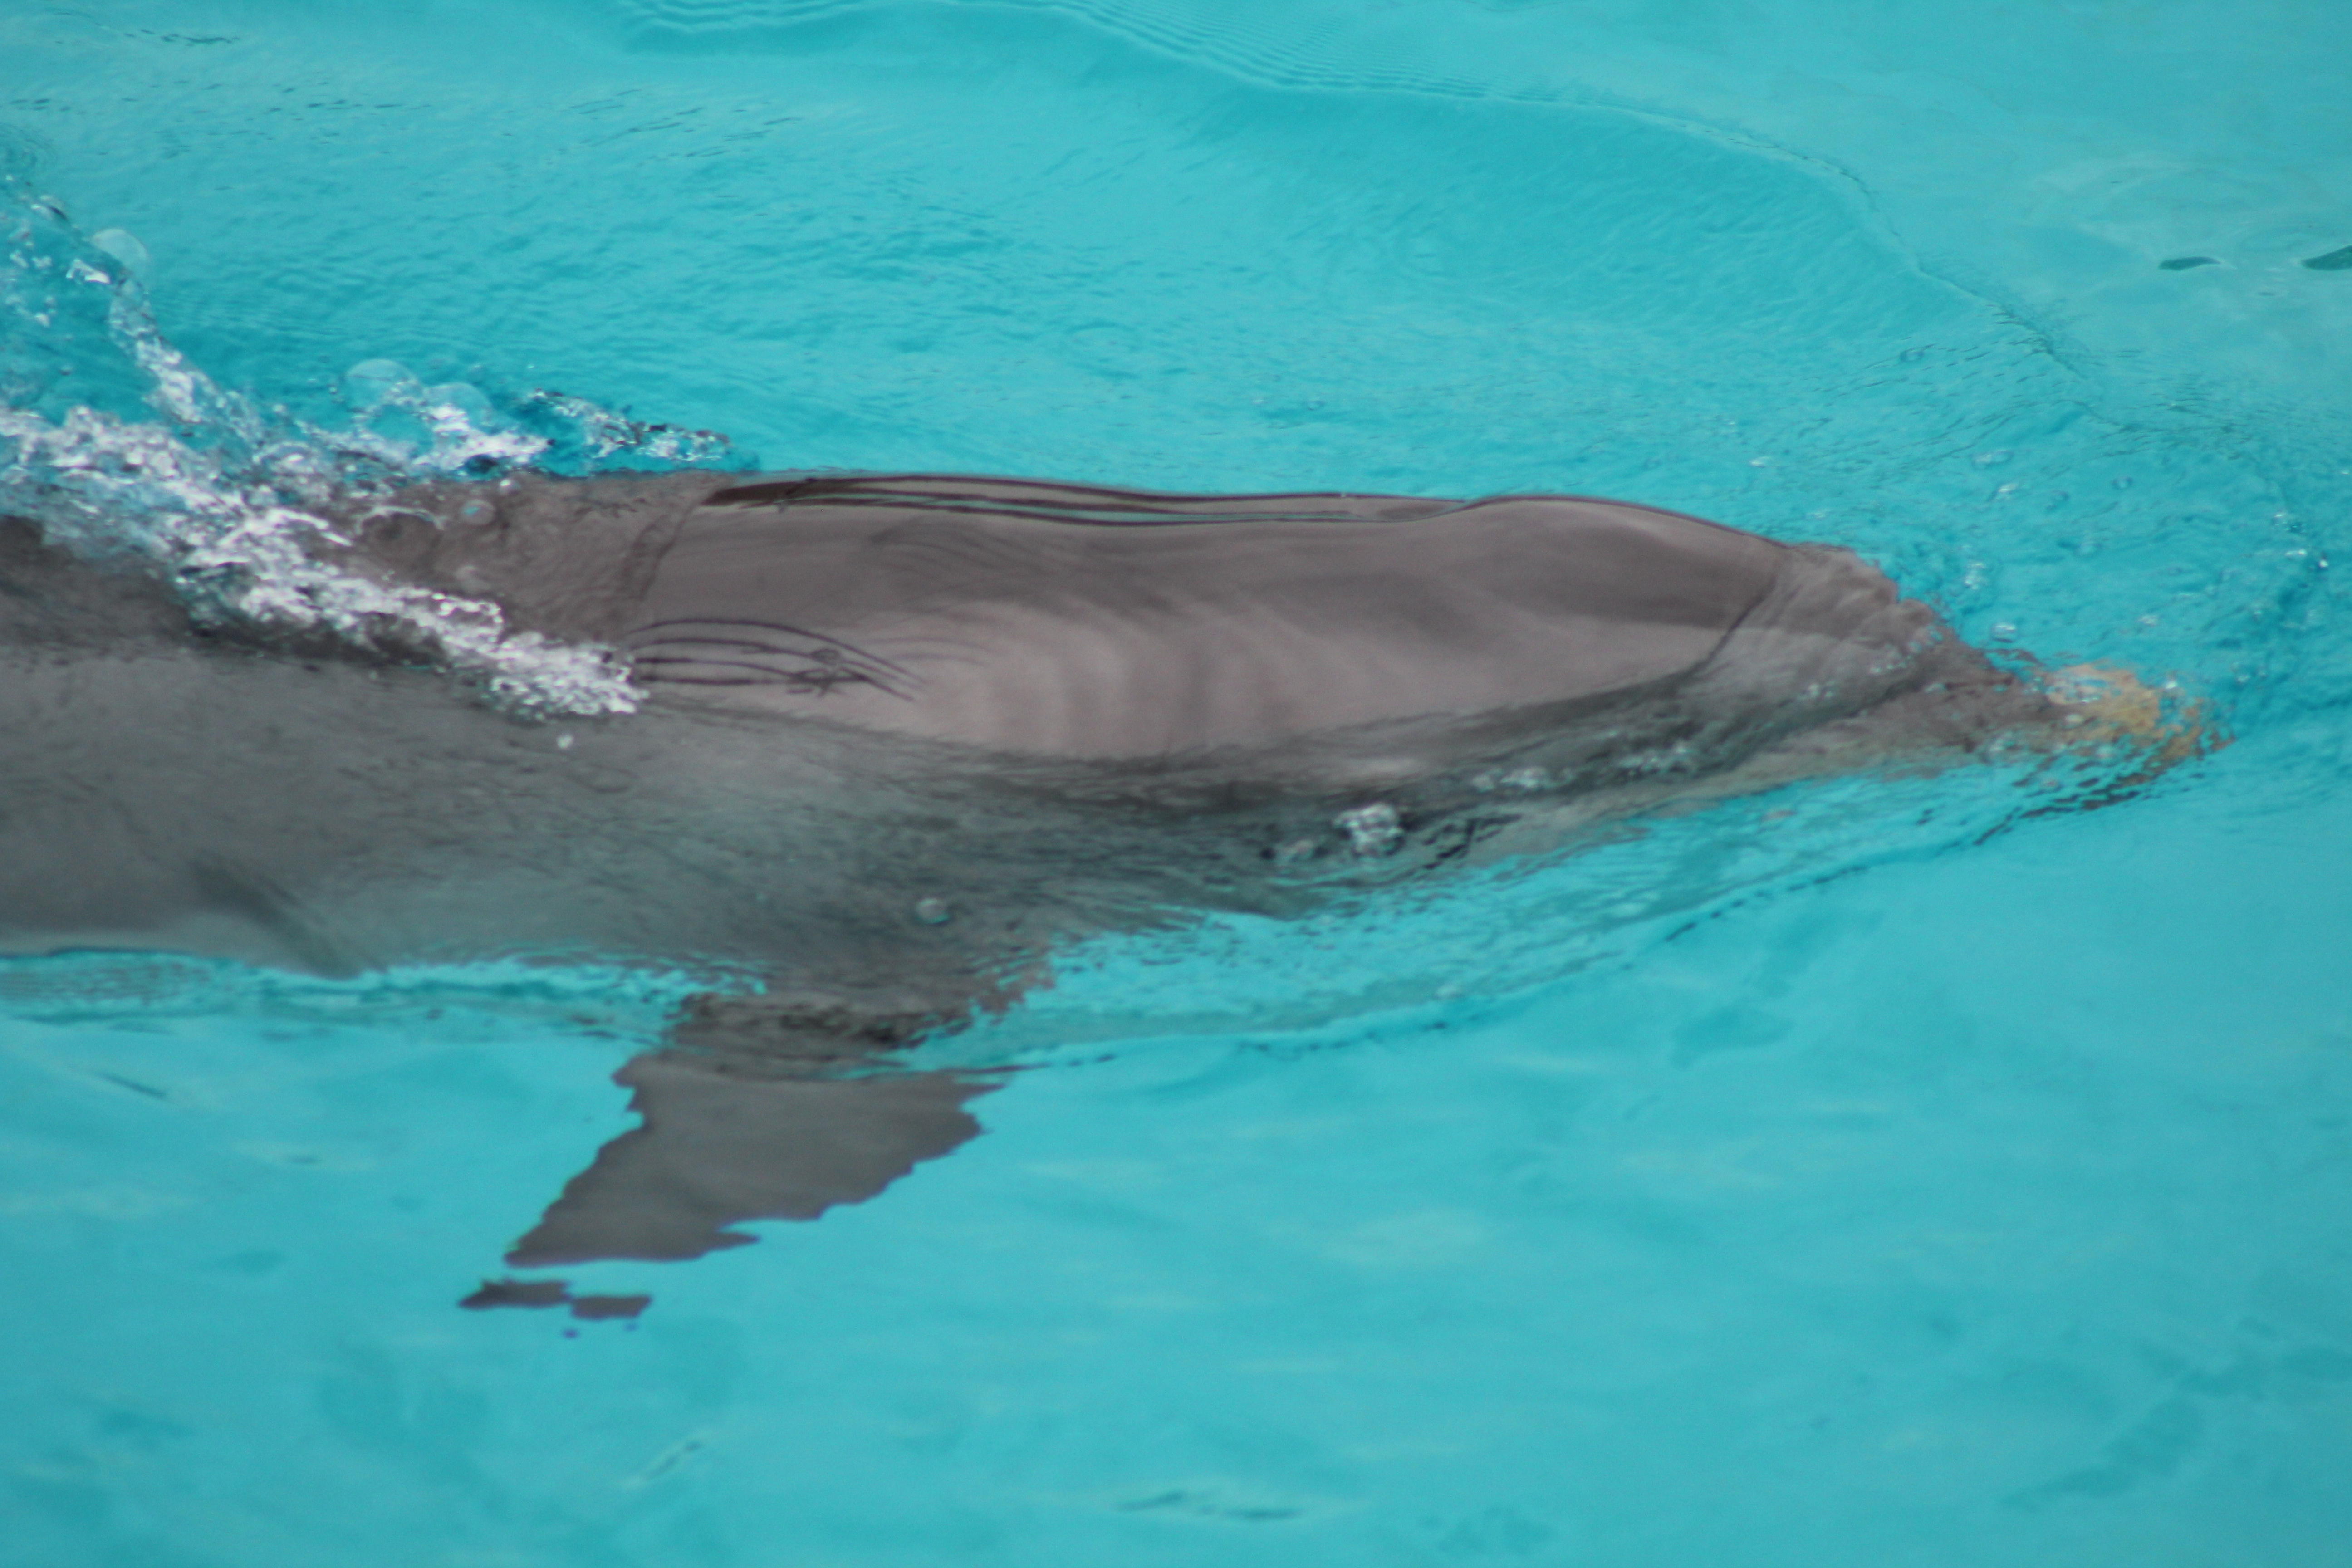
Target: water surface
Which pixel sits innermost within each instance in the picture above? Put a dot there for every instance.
(1883, 1172)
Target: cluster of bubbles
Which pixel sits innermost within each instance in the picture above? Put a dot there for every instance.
(115, 446)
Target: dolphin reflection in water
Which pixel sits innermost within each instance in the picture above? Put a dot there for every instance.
(900, 736)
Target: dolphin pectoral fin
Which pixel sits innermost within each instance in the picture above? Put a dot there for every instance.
(778, 1105)
(724, 1141)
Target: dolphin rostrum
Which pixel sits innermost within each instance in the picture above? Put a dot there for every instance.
(899, 736)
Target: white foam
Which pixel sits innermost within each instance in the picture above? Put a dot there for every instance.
(233, 504)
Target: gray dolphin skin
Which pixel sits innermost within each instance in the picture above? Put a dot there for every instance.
(902, 735)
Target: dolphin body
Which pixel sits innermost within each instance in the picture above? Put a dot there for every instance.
(901, 735)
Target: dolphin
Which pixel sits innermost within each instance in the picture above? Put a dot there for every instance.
(900, 736)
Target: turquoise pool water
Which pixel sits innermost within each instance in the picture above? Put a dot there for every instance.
(1882, 1173)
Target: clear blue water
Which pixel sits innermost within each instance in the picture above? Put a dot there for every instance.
(1879, 1173)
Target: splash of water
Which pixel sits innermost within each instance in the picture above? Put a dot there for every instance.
(116, 446)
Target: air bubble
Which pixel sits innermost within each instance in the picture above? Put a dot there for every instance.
(932, 912)
(373, 382)
(125, 248)
(1373, 829)
(458, 402)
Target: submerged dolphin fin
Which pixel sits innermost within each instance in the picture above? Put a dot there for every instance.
(768, 1106)
(722, 1143)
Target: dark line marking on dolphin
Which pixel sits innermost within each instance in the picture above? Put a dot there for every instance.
(667, 647)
